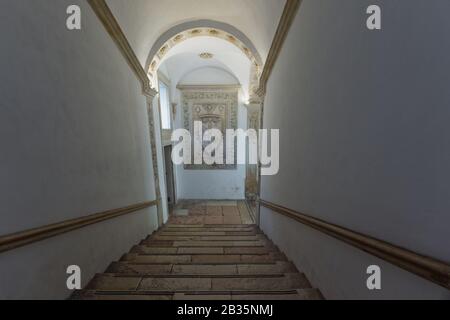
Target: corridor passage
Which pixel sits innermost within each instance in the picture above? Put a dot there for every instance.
(210, 250)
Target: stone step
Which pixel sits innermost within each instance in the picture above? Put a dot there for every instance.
(210, 226)
(205, 238)
(146, 250)
(203, 243)
(153, 250)
(107, 282)
(120, 295)
(209, 229)
(209, 219)
(202, 258)
(207, 233)
(279, 267)
(299, 294)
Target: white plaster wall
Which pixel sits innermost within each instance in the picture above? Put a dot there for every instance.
(211, 184)
(207, 76)
(74, 141)
(364, 139)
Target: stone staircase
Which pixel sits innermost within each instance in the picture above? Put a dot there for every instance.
(202, 262)
(214, 262)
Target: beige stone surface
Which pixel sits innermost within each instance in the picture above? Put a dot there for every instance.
(218, 244)
(214, 210)
(230, 211)
(210, 297)
(198, 233)
(205, 269)
(222, 203)
(153, 250)
(162, 259)
(274, 268)
(216, 259)
(246, 250)
(229, 238)
(174, 284)
(139, 269)
(209, 254)
(109, 283)
(257, 283)
(213, 220)
(232, 219)
(200, 250)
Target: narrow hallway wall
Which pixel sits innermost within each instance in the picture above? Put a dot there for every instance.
(74, 141)
(364, 140)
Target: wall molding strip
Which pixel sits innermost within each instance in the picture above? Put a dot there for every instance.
(290, 11)
(30, 236)
(426, 267)
(111, 25)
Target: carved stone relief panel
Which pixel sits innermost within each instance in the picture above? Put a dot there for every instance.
(215, 108)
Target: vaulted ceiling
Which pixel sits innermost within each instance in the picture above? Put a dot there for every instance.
(144, 21)
(184, 58)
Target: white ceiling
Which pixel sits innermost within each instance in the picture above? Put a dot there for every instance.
(144, 21)
(184, 58)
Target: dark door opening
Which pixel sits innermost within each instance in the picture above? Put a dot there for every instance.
(170, 177)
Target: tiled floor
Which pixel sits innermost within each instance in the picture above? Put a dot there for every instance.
(211, 213)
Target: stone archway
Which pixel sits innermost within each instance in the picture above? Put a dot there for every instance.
(204, 28)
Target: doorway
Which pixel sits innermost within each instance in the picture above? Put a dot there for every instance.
(170, 177)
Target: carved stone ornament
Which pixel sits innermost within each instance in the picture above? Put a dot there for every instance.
(215, 108)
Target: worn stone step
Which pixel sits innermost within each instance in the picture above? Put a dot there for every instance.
(226, 283)
(254, 259)
(157, 259)
(154, 250)
(205, 238)
(120, 296)
(139, 269)
(279, 267)
(143, 249)
(207, 233)
(299, 294)
(175, 250)
(106, 282)
(231, 227)
(201, 250)
(302, 294)
(110, 283)
(288, 281)
(202, 258)
(210, 226)
(203, 243)
(184, 232)
(250, 250)
(215, 229)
